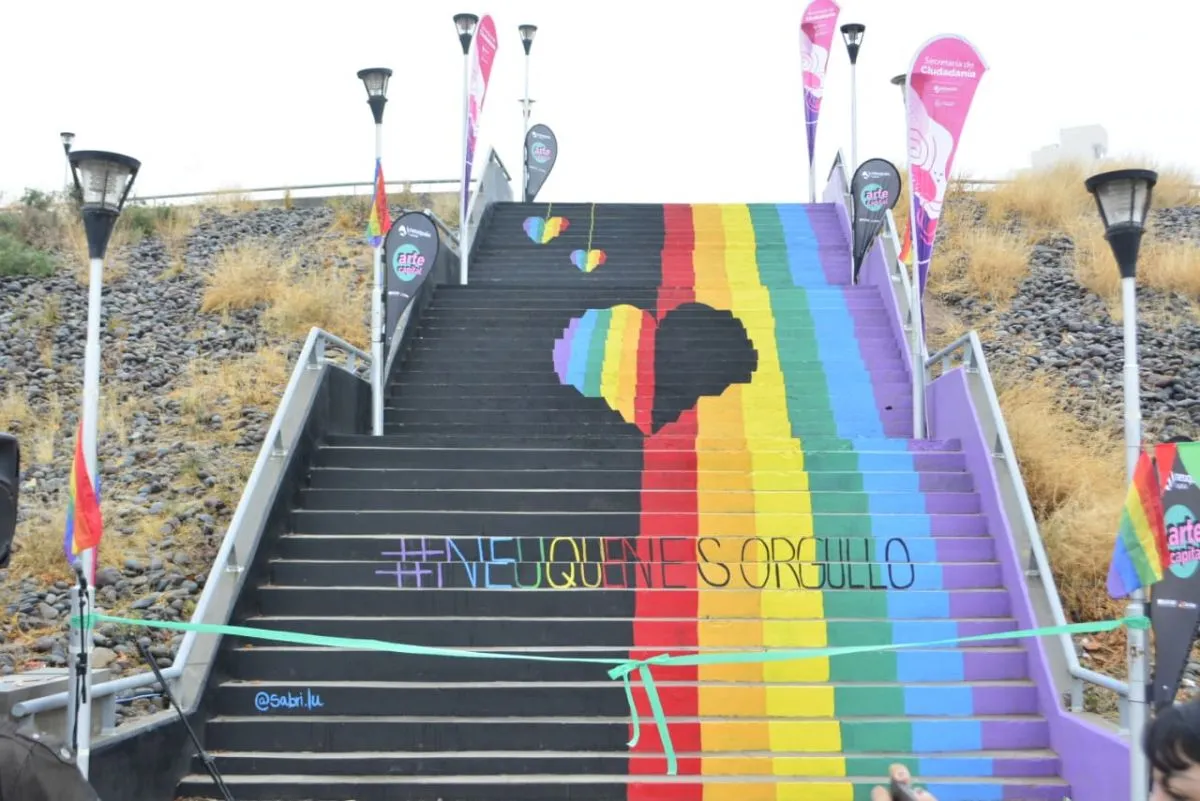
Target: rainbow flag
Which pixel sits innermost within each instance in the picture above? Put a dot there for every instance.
(84, 526)
(906, 248)
(379, 221)
(1140, 552)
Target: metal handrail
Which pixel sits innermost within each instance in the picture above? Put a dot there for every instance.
(296, 188)
(975, 361)
(318, 351)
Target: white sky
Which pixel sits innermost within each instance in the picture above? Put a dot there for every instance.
(651, 100)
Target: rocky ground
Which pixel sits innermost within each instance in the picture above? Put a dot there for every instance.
(169, 483)
(172, 473)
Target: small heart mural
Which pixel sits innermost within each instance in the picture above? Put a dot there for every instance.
(588, 260)
(543, 229)
(652, 371)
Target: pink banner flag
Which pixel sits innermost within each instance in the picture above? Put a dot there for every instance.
(482, 55)
(816, 36)
(941, 85)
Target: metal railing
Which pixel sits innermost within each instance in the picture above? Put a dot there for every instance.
(196, 655)
(967, 352)
(189, 671)
(354, 186)
(1014, 496)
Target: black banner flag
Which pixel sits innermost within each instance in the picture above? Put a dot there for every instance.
(875, 188)
(1175, 609)
(541, 151)
(409, 252)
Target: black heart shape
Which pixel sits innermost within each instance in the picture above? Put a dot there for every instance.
(699, 351)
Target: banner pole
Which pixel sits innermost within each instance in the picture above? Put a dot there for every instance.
(1138, 655)
(377, 301)
(525, 136)
(853, 115)
(466, 187)
(812, 183)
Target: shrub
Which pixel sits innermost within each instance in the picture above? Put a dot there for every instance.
(17, 258)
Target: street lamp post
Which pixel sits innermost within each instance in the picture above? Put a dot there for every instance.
(852, 34)
(465, 24)
(375, 79)
(527, 34)
(1123, 198)
(102, 182)
(67, 138)
(914, 295)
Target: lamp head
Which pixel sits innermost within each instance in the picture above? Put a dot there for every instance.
(527, 34)
(102, 183)
(852, 34)
(67, 138)
(1123, 198)
(465, 23)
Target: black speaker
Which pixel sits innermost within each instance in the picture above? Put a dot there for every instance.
(10, 477)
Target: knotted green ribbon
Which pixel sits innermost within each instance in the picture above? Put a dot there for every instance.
(622, 669)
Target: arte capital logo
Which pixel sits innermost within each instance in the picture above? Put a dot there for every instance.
(408, 262)
(541, 153)
(1183, 541)
(874, 197)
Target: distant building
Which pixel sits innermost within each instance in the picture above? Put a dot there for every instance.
(1084, 144)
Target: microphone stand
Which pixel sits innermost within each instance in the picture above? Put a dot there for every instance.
(210, 764)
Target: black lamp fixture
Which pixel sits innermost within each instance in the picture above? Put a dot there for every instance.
(67, 138)
(527, 34)
(900, 80)
(1123, 198)
(102, 183)
(375, 79)
(465, 23)
(852, 34)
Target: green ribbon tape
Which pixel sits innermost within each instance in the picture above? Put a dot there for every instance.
(621, 669)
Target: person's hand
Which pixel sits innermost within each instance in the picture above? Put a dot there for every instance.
(899, 774)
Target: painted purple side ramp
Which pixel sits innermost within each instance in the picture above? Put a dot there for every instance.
(1095, 760)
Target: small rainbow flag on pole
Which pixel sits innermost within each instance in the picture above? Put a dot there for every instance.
(379, 221)
(84, 526)
(906, 248)
(1140, 552)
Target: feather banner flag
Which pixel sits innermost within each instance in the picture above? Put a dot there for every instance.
(379, 221)
(1140, 553)
(84, 526)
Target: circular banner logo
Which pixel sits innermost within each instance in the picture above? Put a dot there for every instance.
(1183, 541)
(408, 263)
(874, 197)
(541, 153)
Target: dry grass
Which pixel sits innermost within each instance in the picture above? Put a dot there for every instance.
(1075, 475)
(332, 296)
(229, 200)
(174, 231)
(244, 276)
(224, 388)
(984, 262)
(1169, 265)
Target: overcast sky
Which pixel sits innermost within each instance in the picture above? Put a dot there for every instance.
(651, 101)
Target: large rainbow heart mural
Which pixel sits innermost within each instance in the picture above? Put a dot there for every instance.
(613, 354)
(588, 260)
(541, 230)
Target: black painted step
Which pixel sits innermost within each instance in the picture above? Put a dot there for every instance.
(577, 603)
(386, 500)
(464, 632)
(568, 479)
(490, 698)
(403, 763)
(592, 524)
(523, 457)
(498, 787)
(299, 733)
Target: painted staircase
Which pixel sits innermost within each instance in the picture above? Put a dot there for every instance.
(696, 440)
